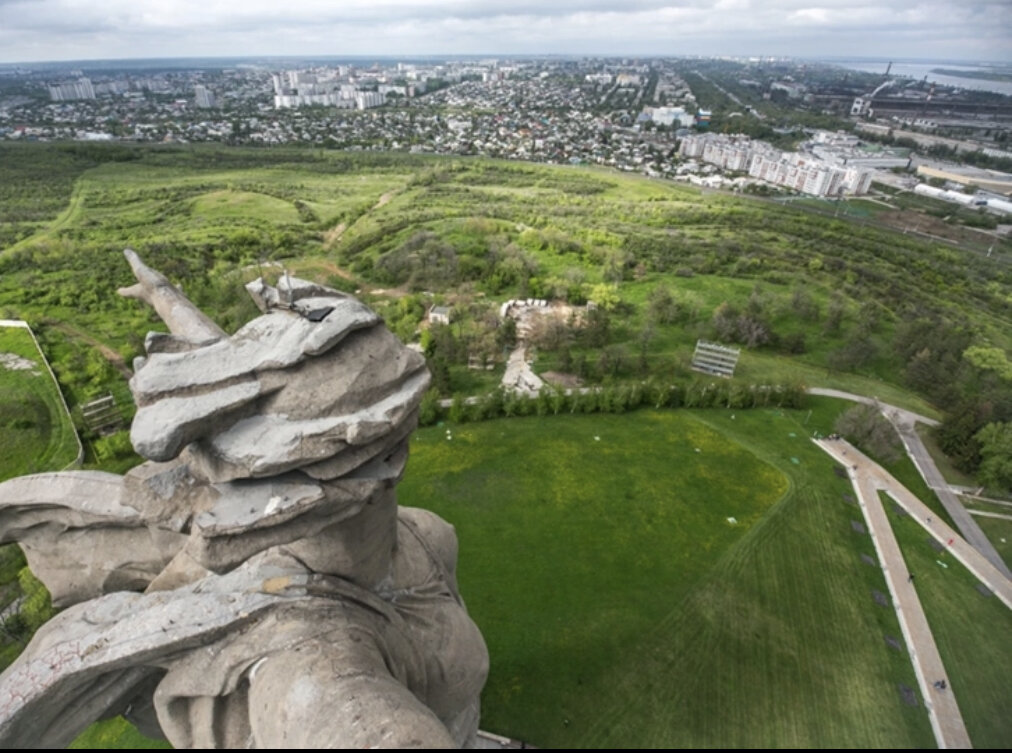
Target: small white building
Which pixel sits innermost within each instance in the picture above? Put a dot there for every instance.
(439, 315)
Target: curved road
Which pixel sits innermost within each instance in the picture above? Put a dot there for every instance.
(905, 421)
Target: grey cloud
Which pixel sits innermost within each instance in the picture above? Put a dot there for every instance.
(191, 27)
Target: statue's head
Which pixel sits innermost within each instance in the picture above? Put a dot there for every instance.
(291, 429)
(290, 433)
(316, 383)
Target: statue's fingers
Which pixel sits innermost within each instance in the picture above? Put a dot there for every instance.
(134, 291)
(145, 275)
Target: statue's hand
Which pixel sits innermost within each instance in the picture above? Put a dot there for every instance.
(174, 308)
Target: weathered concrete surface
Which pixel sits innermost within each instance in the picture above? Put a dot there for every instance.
(259, 404)
(518, 375)
(288, 601)
(181, 316)
(79, 537)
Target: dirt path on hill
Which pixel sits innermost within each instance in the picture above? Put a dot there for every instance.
(333, 235)
(336, 270)
(332, 268)
(107, 353)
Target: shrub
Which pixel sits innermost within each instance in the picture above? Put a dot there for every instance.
(869, 430)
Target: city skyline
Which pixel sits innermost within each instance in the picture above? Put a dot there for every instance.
(70, 30)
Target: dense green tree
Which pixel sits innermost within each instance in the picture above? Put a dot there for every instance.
(995, 470)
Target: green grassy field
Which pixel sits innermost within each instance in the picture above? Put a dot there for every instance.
(115, 733)
(999, 532)
(482, 232)
(622, 608)
(36, 433)
(987, 506)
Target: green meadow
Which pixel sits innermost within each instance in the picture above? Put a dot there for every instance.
(999, 531)
(36, 433)
(623, 608)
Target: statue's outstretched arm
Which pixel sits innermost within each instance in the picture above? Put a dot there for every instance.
(182, 317)
(83, 532)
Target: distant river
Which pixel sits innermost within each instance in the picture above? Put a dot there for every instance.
(920, 70)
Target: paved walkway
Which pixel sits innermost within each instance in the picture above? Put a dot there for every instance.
(908, 416)
(933, 478)
(905, 422)
(986, 514)
(867, 477)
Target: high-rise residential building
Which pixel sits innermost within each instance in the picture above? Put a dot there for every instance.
(205, 99)
(80, 89)
(797, 171)
(367, 100)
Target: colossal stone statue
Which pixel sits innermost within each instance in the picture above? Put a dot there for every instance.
(254, 584)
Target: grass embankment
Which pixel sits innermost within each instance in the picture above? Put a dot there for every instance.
(970, 629)
(987, 505)
(36, 433)
(999, 533)
(622, 608)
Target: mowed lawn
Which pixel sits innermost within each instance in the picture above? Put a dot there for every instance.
(35, 431)
(622, 607)
(999, 532)
(241, 204)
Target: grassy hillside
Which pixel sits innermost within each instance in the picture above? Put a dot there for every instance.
(809, 297)
(36, 435)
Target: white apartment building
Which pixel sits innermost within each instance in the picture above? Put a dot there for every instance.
(793, 170)
(367, 100)
(691, 146)
(203, 97)
(671, 115)
(80, 89)
(334, 99)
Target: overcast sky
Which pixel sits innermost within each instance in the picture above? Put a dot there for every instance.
(38, 30)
